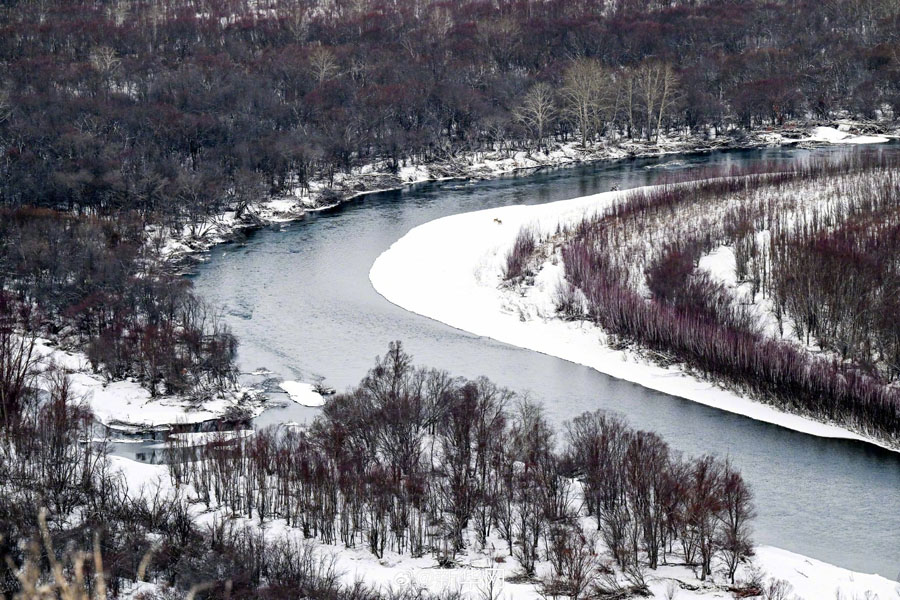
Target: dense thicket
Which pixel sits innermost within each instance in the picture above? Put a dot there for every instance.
(836, 276)
(417, 462)
(87, 279)
(175, 107)
(146, 534)
(806, 239)
(411, 461)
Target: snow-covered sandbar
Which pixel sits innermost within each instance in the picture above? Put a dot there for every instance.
(450, 270)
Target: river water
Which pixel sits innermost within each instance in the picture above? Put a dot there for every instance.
(299, 299)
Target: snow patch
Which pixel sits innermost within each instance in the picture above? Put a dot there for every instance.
(721, 265)
(302, 393)
(814, 580)
(832, 135)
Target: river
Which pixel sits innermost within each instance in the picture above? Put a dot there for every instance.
(299, 299)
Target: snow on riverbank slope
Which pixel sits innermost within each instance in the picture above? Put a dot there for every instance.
(450, 270)
(192, 240)
(833, 135)
(126, 402)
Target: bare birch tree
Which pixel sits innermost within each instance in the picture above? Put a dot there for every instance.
(323, 64)
(657, 86)
(538, 111)
(586, 96)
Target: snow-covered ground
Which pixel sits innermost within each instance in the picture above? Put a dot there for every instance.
(192, 240)
(302, 393)
(842, 135)
(844, 131)
(809, 579)
(451, 270)
(127, 402)
(721, 264)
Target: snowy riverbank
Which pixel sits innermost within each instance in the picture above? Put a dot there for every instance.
(189, 244)
(128, 406)
(124, 401)
(451, 270)
(807, 578)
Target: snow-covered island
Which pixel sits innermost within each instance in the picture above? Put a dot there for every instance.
(451, 270)
(302, 393)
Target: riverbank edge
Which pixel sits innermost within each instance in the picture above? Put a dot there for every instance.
(463, 288)
(182, 253)
(179, 253)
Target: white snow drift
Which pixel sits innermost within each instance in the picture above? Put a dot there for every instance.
(834, 135)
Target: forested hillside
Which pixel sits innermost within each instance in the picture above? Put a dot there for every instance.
(172, 108)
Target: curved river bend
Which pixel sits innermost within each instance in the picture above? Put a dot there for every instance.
(300, 302)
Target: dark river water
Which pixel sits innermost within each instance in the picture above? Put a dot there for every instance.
(300, 301)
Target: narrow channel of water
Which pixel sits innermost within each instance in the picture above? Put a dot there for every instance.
(299, 299)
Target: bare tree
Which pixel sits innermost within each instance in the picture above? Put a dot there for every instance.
(323, 64)
(585, 95)
(105, 61)
(5, 105)
(18, 356)
(573, 558)
(538, 112)
(703, 506)
(657, 86)
(735, 515)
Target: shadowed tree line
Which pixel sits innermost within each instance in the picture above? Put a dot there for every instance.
(177, 108)
(86, 281)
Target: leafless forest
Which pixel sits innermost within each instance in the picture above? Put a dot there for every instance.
(121, 118)
(816, 251)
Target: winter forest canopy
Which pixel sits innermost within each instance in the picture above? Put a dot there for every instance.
(170, 109)
(123, 119)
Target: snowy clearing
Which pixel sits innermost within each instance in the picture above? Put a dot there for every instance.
(450, 270)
